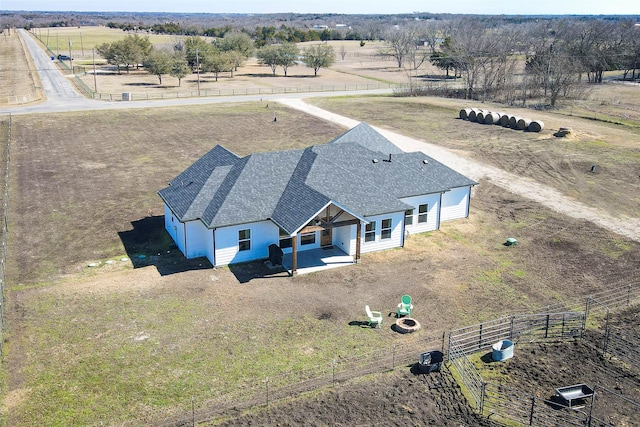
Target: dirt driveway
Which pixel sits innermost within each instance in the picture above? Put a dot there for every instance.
(629, 227)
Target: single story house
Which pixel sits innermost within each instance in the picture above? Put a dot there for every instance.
(359, 193)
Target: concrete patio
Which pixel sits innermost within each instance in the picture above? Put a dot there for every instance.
(318, 259)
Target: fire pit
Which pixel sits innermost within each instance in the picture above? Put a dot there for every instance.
(406, 325)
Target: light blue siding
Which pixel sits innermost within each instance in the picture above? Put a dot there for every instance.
(455, 204)
(396, 240)
(433, 214)
(197, 241)
(263, 234)
(175, 228)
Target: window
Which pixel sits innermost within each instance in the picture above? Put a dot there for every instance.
(385, 230)
(308, 238)
(244, 240)
(422, 213)
(370, 232)
(408, 217)
(285, 240)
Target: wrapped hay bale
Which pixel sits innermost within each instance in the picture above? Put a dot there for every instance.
(513, 122)
(536, 126)
(473, 115)
(492, 118)
(480, 116)
(464, 113)
(523, 124)
(504, 120)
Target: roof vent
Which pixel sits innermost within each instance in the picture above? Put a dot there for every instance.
(425, 161)
(389, 158)
(375, 160)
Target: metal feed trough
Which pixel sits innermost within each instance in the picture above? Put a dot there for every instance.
(575, 394)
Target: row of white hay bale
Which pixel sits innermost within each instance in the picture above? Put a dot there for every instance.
(501, 119)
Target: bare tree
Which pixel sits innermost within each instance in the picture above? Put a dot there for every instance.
(554, 61)
(399, 42)
(468, 49)
(631, 50)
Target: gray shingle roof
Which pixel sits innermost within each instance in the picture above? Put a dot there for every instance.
(366, 136)
(290, 187)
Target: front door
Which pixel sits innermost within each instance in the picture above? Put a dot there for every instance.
(326, 238)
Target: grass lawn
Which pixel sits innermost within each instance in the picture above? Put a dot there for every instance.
(89, 345)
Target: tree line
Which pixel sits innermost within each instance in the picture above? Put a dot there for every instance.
(502, 59)
(194, 54)
(262, 35)
(546, 59)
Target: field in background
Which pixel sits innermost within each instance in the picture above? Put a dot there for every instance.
(142, 337)
(83, 39)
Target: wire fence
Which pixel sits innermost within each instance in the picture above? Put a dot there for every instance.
(5, 157)
(21, 99)
(472, 339)
(488, 399)
(516, 406)
(257, 392)
(624, 346)
(131, 96)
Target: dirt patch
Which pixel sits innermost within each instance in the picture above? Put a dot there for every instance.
(539, 368)
(399, 398)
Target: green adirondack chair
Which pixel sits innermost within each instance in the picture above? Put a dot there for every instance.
(405, 308)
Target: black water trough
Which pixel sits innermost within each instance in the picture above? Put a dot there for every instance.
(431, 361)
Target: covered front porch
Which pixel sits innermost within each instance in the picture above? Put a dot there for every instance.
(317, 260)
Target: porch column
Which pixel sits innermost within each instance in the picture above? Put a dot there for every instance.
(294, 254)
(358, 238)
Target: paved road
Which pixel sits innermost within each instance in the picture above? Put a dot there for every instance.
(62, 97)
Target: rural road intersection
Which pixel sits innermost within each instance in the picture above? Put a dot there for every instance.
(61, 97)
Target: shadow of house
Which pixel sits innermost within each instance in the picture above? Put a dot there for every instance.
(148, 243)
(247, 271)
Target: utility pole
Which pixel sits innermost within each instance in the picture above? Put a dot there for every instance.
(70, 57)
(95, 80)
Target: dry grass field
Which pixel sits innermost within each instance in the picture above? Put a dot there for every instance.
(139, 339)
(18, 81)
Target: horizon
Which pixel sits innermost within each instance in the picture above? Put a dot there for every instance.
(371, 7)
